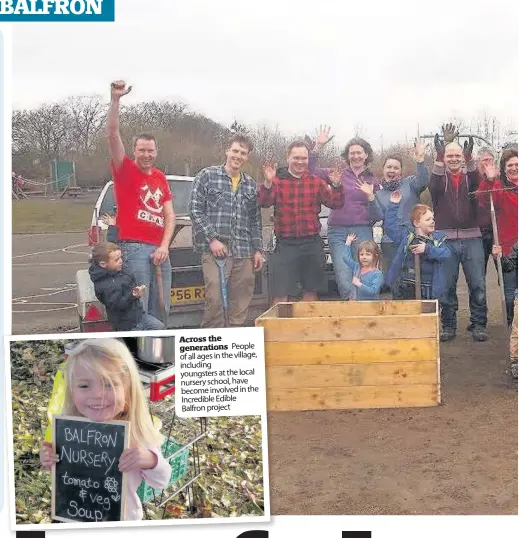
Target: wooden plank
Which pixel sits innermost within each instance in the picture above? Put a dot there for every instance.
(294, 353)
(331, 309)
(369, 397)
(351, 328)
(272, 312)
(348, 375)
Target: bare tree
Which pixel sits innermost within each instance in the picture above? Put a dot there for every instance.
(88, 115)
(358, 130)
(46, 130)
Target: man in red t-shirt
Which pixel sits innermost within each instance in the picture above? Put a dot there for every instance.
(145, 216)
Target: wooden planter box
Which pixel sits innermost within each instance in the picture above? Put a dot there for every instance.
(351, 355)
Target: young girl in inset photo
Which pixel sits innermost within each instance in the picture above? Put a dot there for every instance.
(103, 384)
(367, 277)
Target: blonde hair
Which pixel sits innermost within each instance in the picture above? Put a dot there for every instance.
(112, 361)
(101, 251)
(372, 248)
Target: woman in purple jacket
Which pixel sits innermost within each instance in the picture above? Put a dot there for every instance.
(354, 217)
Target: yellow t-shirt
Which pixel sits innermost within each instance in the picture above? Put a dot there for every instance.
(235, 182)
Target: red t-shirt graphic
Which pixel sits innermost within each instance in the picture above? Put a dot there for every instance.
(140, 200)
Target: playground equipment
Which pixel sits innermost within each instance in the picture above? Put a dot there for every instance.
(62, 182)
(351, 355)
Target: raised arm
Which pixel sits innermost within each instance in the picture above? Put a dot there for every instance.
(322, 138)
(267, 192)
(347, 254)
(420, 181)
(474, 177)
(437, 179)
(375, 208)
(486, 185)
(332, 191)
(115, 143)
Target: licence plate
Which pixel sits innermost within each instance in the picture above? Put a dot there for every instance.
(187, 295)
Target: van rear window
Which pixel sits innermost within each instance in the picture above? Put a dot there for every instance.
(108, 203)
(180, 189)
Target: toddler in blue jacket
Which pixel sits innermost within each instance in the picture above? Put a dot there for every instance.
(367, 277)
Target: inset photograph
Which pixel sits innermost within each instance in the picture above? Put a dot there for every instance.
(96, 438)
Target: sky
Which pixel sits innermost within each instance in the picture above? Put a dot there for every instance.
(385, 67)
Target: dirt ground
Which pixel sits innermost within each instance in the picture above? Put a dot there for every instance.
(457, 458)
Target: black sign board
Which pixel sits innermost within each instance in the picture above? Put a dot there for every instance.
(86, 482)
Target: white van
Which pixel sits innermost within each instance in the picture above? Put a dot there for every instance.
(187, 283)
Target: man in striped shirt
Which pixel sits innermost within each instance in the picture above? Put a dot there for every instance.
(226, 223)
(297, 197)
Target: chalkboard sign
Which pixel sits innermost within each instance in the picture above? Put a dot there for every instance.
(86, 482)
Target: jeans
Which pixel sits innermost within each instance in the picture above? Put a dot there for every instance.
(336, 239)
(488, 242)
(405, 291)
(510, 285)
(469, 253)
(388, 256)
(240, 289)
(149, 323)
(137, 260)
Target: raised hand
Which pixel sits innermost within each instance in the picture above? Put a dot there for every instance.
(491, 171)
(322, 136)
(108, 219)
(310, 143)
(419, 150)
(439, 145)
(350, 238)
(366, 188)
(450, 132)
(468, 147)
(395, 197)
(119, 88)
(269, 173)
(336, 175)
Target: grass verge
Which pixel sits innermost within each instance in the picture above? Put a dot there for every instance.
(45, 216)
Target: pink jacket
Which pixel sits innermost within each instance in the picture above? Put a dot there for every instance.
(157, 478)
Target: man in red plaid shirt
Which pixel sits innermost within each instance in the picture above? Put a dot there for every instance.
(297, 197)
